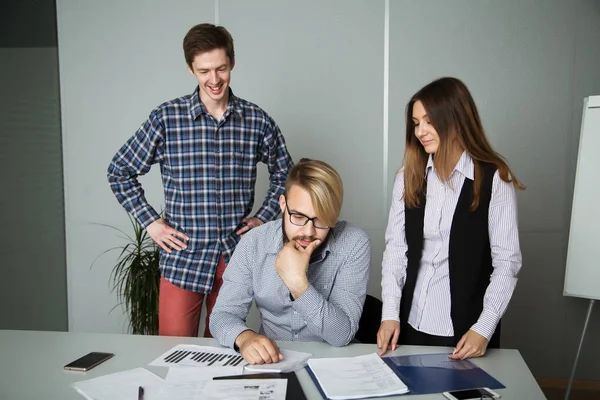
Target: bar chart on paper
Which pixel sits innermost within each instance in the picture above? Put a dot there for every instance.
(199, 356)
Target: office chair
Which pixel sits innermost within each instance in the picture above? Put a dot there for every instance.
(369, 321)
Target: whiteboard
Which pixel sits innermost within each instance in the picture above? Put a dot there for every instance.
(582, 275)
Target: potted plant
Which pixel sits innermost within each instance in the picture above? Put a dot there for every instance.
(136, 279)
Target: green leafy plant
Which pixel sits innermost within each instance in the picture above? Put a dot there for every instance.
(136, 278)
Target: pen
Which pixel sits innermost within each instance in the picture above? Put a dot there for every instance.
(140, 393)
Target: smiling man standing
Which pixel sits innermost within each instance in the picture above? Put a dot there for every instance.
(307, 273)
(208, 144)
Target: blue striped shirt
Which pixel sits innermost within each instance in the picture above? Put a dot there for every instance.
(208, 170)
(329, 310)
(430, 309)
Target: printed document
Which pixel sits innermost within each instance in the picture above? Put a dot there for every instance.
(189, 383)
(356, 377)
(245, 389)
(121, 385)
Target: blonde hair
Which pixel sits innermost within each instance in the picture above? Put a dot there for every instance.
(324, 185)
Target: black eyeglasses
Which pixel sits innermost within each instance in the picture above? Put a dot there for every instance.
(301, 219)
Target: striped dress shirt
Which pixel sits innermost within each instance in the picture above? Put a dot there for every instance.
(208, 170)
(430, 309)
(329, 310)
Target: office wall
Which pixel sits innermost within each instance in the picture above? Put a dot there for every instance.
(32, 254)
(319, 69)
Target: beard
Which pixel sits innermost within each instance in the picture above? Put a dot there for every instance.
(286, 240)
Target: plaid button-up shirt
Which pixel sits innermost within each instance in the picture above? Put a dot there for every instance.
(208, 170)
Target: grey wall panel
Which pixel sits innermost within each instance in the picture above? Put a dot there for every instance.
(33, 251)
(516, 58)
(316, 67)
(118, 60)
(535, 320)
(586, 80)
(27, 23)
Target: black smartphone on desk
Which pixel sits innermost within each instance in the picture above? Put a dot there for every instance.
(293, 391)
(88, 361)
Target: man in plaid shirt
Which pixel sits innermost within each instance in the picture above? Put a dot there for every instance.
(208, 144)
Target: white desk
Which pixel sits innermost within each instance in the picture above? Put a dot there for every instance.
(31, 363)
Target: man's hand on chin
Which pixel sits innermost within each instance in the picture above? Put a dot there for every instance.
(258, 349)
(292, 265)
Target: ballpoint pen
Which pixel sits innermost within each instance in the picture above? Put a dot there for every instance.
(140, 393)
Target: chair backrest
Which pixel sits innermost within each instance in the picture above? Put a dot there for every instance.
(369, 321)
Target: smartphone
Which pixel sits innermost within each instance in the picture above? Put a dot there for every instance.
(478, 393)
(88, 361)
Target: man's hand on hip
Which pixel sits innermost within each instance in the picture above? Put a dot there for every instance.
(166, 237)
(247, 224)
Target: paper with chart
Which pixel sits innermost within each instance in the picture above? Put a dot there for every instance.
(245, 389)
(199, 356)
(189, 383)
(292, 361)
(356, 377)
(121, 385)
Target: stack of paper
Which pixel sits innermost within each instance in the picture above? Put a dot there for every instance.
(121, 385)
(355, 377)
(292, 361)
(190, 383)
(194, 383)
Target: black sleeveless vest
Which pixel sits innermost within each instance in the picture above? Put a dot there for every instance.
(470, 260)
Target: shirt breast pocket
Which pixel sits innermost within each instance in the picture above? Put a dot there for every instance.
(242, 168)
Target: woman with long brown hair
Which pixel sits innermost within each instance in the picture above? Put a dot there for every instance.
(452, 253)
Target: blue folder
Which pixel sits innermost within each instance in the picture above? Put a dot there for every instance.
(436, 373)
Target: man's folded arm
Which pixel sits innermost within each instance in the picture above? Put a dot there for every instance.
(336, 319)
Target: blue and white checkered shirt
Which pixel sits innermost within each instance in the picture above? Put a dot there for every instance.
(208, 172)
(329, 310)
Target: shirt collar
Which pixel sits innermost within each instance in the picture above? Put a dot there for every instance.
(464, 166)
(197, 108)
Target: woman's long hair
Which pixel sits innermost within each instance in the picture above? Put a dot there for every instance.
(453, 114)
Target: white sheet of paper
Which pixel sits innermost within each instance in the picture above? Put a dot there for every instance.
(121, 385)
(190, 355)
(245, 389)
(292, 361)
(188, 383)
(356, 377)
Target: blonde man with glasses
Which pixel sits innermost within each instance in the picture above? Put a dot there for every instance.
(308, 274)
